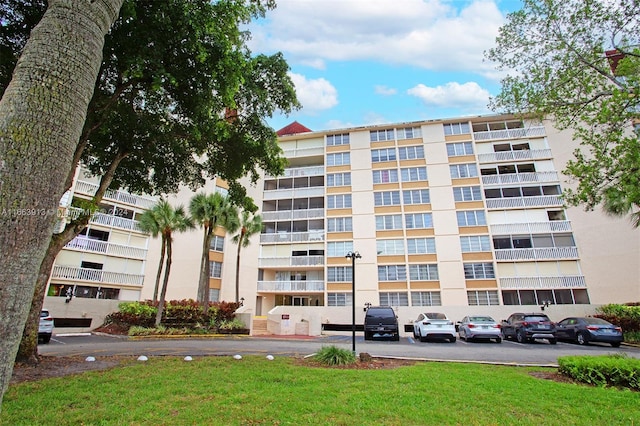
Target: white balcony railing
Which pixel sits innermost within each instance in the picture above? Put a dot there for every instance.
(291, 261)
(292, 237)
(304, 152)
(524, 202)
(293, 214)
(278, 194)
(576, 281)
(520, 178)
(525, 154)
(301, 171)
(544, 253)
(509, 133)
(142, 201)
(289, 286)
(115, 221)
(95, 275)
(97, 246)
(532, 227)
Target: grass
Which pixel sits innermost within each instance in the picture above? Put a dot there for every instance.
(224, 391)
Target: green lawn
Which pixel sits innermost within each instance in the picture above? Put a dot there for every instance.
(224, 391)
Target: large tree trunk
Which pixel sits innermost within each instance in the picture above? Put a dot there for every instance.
(240, 241)
(205, 270)
(163, 293)
(163, 250)
(42, 113)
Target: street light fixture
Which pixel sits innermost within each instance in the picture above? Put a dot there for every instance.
(353, 255)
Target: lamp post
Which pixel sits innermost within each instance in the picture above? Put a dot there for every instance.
(353, 255)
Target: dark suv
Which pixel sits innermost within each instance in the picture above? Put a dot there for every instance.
(528, 327)
(381, 321)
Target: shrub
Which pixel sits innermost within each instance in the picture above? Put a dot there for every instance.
(626, 316)
(606, 370)
(234, 324)
(332, 355)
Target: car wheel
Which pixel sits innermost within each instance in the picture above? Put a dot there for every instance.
(615, 344)
(396, 337)
(461, 334)
(452, 339)
(367, 335)
(553, 341)
(520, 337)
(505, 336)
(421, 337)
(581, 338)
(498, 340)
(46, 339)
(415, 335)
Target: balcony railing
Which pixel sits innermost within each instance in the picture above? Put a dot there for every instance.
(121, 196)
(576, 281)
(544, 253)
(520, 178)
(524, 202)
(532, 227)
(525, 154)
(509, 133)
(105, 219)
(97, 246)
(293, 214)
(304, 152)
(291, 261)
(292, 237)
(278, 194)
(289, 286)
(301, 171)
(96, 275)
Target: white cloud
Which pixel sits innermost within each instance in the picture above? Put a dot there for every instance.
(453, 94)
(314, 94)
(384, 90)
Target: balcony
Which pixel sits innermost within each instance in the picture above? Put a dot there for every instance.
(97, 246)
(280, 194)
(141, 201)
(544, 253)
(267, 262)
(290, 286)
(524, 202)
(301, 171)
(304, 152)
(512, 178)
(576, 281)
(292, 214)
(73, 273)
(532, 227)
(509, 133)
(534, 154)
(292, 237)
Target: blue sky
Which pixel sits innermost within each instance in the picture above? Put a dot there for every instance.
(362, 62)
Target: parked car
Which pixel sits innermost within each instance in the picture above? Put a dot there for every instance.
(528, 327)
(381, 322)
(45, 330)
(479, 327)
(583, 330)
(434, 325)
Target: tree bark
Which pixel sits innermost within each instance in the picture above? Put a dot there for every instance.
(205, 269)
(165, 282)
(42, 113)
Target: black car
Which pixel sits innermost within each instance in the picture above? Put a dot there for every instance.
(381, 322)
(583, 330)
(527, 327)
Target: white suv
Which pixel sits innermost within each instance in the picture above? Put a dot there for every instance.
(46, 326)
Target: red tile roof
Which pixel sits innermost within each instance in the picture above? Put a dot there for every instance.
(293, 129)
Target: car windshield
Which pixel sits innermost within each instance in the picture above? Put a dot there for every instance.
(481, 319)
(436, 315)
(536, 318)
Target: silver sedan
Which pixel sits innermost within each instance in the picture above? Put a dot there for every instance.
(479, 327)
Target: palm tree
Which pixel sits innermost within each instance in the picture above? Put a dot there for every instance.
(209, 211)
(617, 203)
(148, 222)
(164, 220)
(249, 225)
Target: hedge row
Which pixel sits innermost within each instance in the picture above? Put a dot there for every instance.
(606, 370)
(626, 316)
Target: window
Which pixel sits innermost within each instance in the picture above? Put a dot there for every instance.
(411, 152)
(341, 201)
(459, 148)
(423, 272)
(340, 224)
(478, 271)
(538, 297)
(338, 274)
(380, 155)
(392, 273)
(412, 174)
(339, 248)
(416, 196)
(475, 243)
(214, 295)
(381, 135)
(217, 243)
(425, 298)
(386, 198)
(339, 179)
(394, 299)
(467, 193)
(339, 299)
(418, 221)
(459, 171)
(389, 247)
(215, 269)
(421, 245)
(385, 176)
(483, 297)
(338, 139)
(456, 128)
(388, 222)
(471, 218)
(409, 133)
(338, 159)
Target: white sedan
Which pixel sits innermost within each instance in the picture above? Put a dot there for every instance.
(434, 325)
